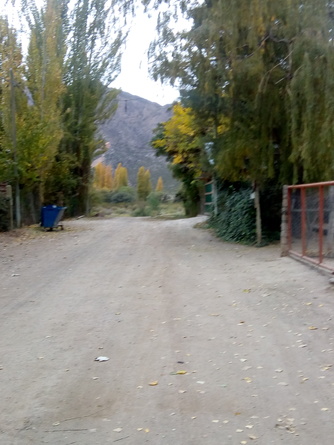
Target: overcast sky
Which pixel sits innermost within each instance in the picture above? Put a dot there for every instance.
(134, 77)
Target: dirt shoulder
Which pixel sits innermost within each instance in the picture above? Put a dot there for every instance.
(208, 342)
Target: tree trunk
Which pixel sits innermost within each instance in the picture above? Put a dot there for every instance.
(32, 208)
(14, 142)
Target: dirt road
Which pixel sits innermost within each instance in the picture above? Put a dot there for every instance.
(208, 342)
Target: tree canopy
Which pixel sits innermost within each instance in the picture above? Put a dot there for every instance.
(268, 68)
(265, 70)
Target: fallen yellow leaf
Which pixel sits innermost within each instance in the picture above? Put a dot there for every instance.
(247, 379)
(326, 368)
(155, 383)
(181, 372)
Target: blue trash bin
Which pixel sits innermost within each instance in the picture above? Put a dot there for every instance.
(51, 215)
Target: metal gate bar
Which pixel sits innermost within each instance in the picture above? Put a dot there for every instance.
(308, 223)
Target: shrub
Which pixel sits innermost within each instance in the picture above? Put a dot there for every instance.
(4, 215)
(124, 194)
(236, 220)
(154, 200)
(95, 197)
(141, 210)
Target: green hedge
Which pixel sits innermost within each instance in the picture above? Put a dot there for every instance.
(123, 195)
(236, 219)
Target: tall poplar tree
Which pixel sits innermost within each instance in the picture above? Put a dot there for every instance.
(121, 177)
(160, 185)
(108, 178)
(92, 63)
(99, 174)
(12, 103)
(43, 121)
(144, 186)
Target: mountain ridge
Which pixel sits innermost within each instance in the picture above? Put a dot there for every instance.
(129, 133)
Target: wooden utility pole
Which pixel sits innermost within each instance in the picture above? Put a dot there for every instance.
(14, 142)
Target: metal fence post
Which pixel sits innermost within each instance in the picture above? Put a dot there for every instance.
(303, 220)
(285, 223)
(321, 224)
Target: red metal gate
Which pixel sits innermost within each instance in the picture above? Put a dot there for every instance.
(309, 231)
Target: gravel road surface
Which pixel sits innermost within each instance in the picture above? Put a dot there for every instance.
(208, 342)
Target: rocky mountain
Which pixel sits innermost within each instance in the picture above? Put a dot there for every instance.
(129, 132)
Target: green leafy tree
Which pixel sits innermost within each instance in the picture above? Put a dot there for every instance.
(92, 62)
(42, 125)
(12, 108)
